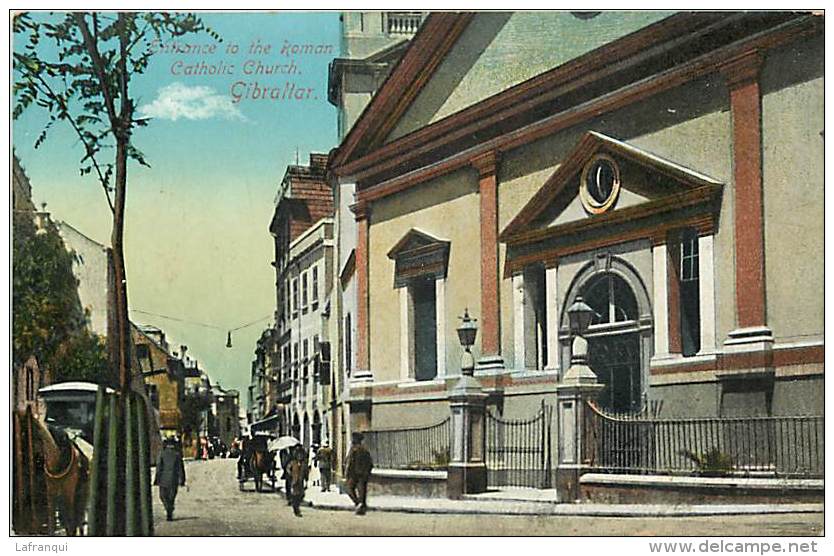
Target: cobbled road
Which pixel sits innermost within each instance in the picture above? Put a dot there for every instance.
(213, 505)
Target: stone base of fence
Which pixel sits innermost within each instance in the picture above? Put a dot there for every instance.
(612, 488)
(402, 482)
(466, 479)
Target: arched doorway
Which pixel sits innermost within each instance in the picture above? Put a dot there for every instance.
(619, 337)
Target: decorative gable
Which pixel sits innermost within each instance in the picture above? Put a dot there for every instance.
(608, 191)
(418, 255)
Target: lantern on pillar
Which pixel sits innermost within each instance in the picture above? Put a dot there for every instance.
(580, 315)
(466, 334)
(467, 401)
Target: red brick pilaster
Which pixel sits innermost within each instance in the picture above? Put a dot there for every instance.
(486, 165)
(361, 211)
(742, 75)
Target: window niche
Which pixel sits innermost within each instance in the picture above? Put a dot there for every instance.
(420, 267)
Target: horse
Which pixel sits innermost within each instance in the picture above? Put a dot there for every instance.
(67, 472)
(262, 461)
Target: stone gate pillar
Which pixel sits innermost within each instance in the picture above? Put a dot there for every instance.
(467, 468)
(578, 385)
(467, 472)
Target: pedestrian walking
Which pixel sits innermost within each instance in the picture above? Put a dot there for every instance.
(358, 472)
(170, 474)
(324, 460)
(298, 471)
(246, 453)
(285, 456)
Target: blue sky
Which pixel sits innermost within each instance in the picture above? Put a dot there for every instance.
(196, 238)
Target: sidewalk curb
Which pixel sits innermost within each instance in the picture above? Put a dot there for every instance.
(575, 510)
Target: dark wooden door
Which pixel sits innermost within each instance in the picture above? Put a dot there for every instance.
(425, 329)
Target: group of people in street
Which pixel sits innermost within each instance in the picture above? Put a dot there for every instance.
(170, 472)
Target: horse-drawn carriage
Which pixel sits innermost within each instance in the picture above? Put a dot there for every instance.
(259, 459)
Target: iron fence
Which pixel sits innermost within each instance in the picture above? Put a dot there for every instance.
(518, 450)
(413, 448)
(751, 446)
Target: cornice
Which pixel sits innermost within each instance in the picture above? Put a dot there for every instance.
(361, 210)
(486, 163)
(429, 46)
(743, 69)
(366, 168)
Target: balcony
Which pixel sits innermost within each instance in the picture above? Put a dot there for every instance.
(403, 23)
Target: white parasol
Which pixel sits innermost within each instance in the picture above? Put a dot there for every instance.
(282, 443)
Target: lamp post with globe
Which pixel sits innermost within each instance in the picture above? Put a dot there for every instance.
(578, 386)
(467, 472)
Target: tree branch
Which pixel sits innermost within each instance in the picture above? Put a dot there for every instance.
(87, 147)
(98, 66)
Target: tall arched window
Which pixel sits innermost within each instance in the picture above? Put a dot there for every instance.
(611, 298)
(614, 345)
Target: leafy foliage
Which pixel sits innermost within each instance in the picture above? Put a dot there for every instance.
(82, 78)
(192, 406)
(47, 319)
(86, 84)
(712, 463)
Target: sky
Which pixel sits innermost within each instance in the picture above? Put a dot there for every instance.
(197, 244)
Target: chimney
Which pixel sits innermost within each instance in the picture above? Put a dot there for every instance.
(318, 162)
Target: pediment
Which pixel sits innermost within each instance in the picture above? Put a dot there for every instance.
(500, 50)
(605, 180)
(417, 255)
(413, 240)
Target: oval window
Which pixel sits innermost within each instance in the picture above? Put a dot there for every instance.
(600, 184)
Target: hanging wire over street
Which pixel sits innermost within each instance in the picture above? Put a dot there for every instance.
(203, 324)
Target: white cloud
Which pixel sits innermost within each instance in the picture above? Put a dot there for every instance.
(196, 102)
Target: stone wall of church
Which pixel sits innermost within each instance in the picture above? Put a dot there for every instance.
(446, 208)
(793, 175)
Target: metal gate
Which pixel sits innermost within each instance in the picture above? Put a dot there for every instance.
(518, 450)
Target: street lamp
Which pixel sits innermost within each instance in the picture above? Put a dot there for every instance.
(580, 315)
(467, 403)
(466, 333)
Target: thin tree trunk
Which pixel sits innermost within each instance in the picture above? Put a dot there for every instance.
(122, 339)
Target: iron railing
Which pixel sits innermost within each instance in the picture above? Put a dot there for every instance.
(747, 446)
(413, 448)
(518, 450)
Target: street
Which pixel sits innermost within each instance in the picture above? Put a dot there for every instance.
(213, 505)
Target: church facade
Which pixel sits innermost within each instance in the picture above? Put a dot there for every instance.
(667, 169)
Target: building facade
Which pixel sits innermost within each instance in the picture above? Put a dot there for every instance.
(372, 44)
(225, 411)
(303, 232)
(163, 375)
(656, 165)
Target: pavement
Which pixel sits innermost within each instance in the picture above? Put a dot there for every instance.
(522, 501)
(214, 505)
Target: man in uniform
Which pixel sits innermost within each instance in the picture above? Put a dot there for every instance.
(324, 459)
(170, 474)
(358, 471)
